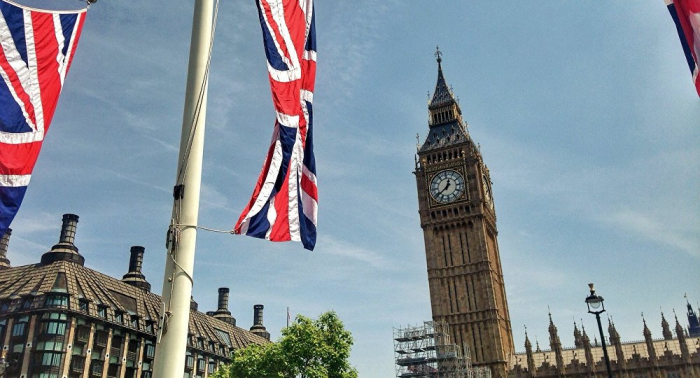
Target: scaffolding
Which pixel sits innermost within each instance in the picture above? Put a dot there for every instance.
(426, 352)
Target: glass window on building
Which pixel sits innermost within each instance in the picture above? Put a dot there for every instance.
(102, 312)
(212, 366)
(149, 350)
(55, 316)
(189, 361)
(113, 370)
(100, 338)
(49, 346)
(57, 300)
(146, 370)
(82, 334)
(84, 306)
(51, 359)
(224, 336)
(17, 347)
(53, 328)
(673, 374)
(96, 367)
(45, 375)
(20, 326)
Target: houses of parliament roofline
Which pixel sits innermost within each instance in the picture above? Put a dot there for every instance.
(670, 356)
(61, 319)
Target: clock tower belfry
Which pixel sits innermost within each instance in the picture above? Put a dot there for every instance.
(458, 218)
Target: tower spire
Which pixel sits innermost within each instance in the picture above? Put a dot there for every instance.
(693, 322)
(447, 128)
(665, 328)
(442, 96)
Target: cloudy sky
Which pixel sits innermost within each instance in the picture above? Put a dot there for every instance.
(586, 116)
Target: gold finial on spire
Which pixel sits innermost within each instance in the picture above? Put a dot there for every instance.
(438, 54)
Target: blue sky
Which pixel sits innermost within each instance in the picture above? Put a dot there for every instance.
(586, 116)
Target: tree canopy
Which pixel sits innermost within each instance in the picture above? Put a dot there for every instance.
(307, 349)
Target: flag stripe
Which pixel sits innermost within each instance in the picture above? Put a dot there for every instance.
(284, 202)
(37, 48)
(686, 16)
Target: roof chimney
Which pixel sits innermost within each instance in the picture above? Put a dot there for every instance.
(134, 277)
(258, 328)
(223, 313)
(65, 250)
(223, 300)
(4, 262)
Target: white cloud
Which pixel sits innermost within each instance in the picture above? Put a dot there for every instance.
(137, 181)
(342, 248)
(648, 226)
(34, 222)
(212, 198)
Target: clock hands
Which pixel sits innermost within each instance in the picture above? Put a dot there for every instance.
(446, 186)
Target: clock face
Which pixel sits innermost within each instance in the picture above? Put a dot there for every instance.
(447, 186)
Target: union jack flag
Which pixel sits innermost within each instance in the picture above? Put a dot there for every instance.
(37, 50)
(686, 15)
(284, 204)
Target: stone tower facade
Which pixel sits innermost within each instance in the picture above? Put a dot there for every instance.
(458, 218)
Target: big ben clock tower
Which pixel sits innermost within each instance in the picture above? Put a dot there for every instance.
(458, 218)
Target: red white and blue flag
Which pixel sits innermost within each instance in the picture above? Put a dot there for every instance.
(284, 204)
(37, 50)
(686, 15)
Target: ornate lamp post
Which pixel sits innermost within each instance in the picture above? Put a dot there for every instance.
(596, 306)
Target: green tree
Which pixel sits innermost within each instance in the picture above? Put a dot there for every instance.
(307, 349)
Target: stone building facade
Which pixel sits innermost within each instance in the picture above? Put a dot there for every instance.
(675, 355)
(467, 289)
(458, 218)
(59, 319)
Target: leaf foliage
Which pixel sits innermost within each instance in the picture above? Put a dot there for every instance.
(307, 349)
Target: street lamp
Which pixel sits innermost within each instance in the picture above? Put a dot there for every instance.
(596, 306)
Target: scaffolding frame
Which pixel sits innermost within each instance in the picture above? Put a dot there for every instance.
(425, 351)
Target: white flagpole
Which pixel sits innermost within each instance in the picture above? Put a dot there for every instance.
(177, 282)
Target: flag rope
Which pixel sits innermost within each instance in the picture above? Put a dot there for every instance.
(173, 231)
(206, 229)
(200, 99)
